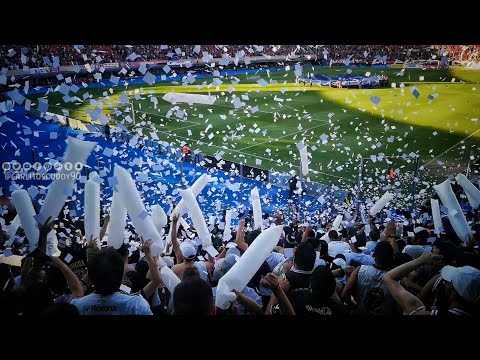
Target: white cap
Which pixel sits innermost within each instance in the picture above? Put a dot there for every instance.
(188, 250)
(156, 248)
(465, 280)
(415, 251)
(340, 262)
(168, 260)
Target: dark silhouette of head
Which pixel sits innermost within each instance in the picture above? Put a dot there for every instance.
(383, 255)
(106, 271)
(333, 235)
(193, 296)
(304, 257)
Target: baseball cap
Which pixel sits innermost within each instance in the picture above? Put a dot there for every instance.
(465, 280)
(359, 242)
(223, 265)
(188, 250)
(340, 262)
(169, 261)
(232, 250)
(415, 251)
(228, 262)
(193, 242)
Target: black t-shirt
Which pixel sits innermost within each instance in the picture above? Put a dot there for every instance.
(78, 262)
(305, 303)
(297, 281)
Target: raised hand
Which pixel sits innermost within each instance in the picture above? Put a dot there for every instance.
(429, 258)
(391, 229)
(287, 265)
(470, 242)
(284, 284)
(270, 281)
(146, 247)
(45, 228)
(92, 242)
(175, 218)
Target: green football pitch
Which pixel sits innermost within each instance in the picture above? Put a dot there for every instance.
(438, 121)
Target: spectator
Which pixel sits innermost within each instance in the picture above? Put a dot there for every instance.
(460, 288)
(106, 272)
(193, 296)
(367, 285)
(317, 300)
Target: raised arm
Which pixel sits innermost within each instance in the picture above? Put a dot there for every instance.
(427, 289)
(73, 282)
(222, 253)
(350, 287)
(305, 234)
(175, 244)
(241, 244)
(35, 270)
(25, 271)
(389, 232)
(103, 230)
(92, 250)
(371, 222)
(393, 242)
(270, 281)
(44, 229)
(250, 304)
(153, 272)
(407, 301)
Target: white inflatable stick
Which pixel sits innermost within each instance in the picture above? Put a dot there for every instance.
(23, 203)
(190, 202)
(197, 188)
(248, 264)
(92, 211)
(257, 208)
(380, 204)
(118, 221)
(131, 199)
(169, 278)
(455, 213)
(77, 152)
(437, 218)
(472, 192)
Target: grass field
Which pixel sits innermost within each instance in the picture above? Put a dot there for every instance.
(338, 125)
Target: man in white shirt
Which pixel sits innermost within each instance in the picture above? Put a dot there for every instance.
(336, 246)
(357, 257)
(106, 272)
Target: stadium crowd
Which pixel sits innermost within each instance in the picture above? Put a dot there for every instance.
(378, 266)
(461, 52)
(344, 261)
(34, 56)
